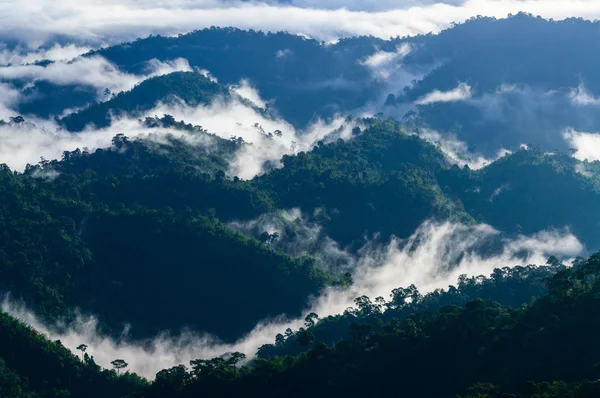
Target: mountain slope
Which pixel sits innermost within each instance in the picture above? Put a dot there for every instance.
(381, 181)
(33, 367)
(530, 191)
(437, 354)
(73, 242)
(305, 78)
(190, 87)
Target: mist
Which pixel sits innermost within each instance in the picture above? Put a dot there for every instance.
(585, 146)
(300, 236)
(57, 52)
(95, 72)
(492, 123)
(433, 257)
(97, 22)
(460, 93)
(226, 118)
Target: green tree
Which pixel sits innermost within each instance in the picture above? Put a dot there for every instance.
(82, 348)
(119, 364)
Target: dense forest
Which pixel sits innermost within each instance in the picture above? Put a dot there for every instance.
(153, 233)
(541, 348)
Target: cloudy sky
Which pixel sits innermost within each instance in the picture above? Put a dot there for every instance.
(107, 21)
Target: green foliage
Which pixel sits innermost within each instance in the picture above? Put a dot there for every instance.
(529, 191)
(33, 367)
(306, 77)
(511, 287)
(382, 181)
(446, 353)
(119, 225)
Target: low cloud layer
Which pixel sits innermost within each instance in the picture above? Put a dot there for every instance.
(299, 237)
(98, 22)
(94, 72)
(492, 123)
(27, 143)
(456, 151)
(57, 52)
(460, 93)
(433, 257)
(585, 146)
(268, 138)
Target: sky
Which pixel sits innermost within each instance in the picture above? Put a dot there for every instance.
(95, 22)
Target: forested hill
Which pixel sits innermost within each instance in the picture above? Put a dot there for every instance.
(544, 349)
(105, 216)
(189, 88)
(108, 238)
(33, 367)
(306, 78)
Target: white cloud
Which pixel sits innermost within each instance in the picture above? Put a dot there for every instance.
(580, 96)
(104, 21)
(55, 53)
(384, 64)
(457, 151)
(9, 98)
(245, 90)
(91, 71)
(94, 72)
(460, 93)
(27, 143)
(283, 53)
(585, 145)
(299, 237)
(227, 118)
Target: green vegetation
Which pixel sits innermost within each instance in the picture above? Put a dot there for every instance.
(119, 226)
(33, 367)
(529, 191)
(478, 350)
(382, 181)
(511, 287)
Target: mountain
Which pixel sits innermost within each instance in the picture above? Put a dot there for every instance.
(528, 80)
(145, 217)
(381, 181)
(83, 240)
(33, 367)
(305, 78)
(482, 347)
(531, 190)
(189, 87)
(404, 169)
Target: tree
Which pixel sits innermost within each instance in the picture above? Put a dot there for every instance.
(119, 364)
(305, 337)
(234, 358)
(309, 321)
(120, 140)
(268, 238)
(289, 333)
(279, 339)
(82, 348)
